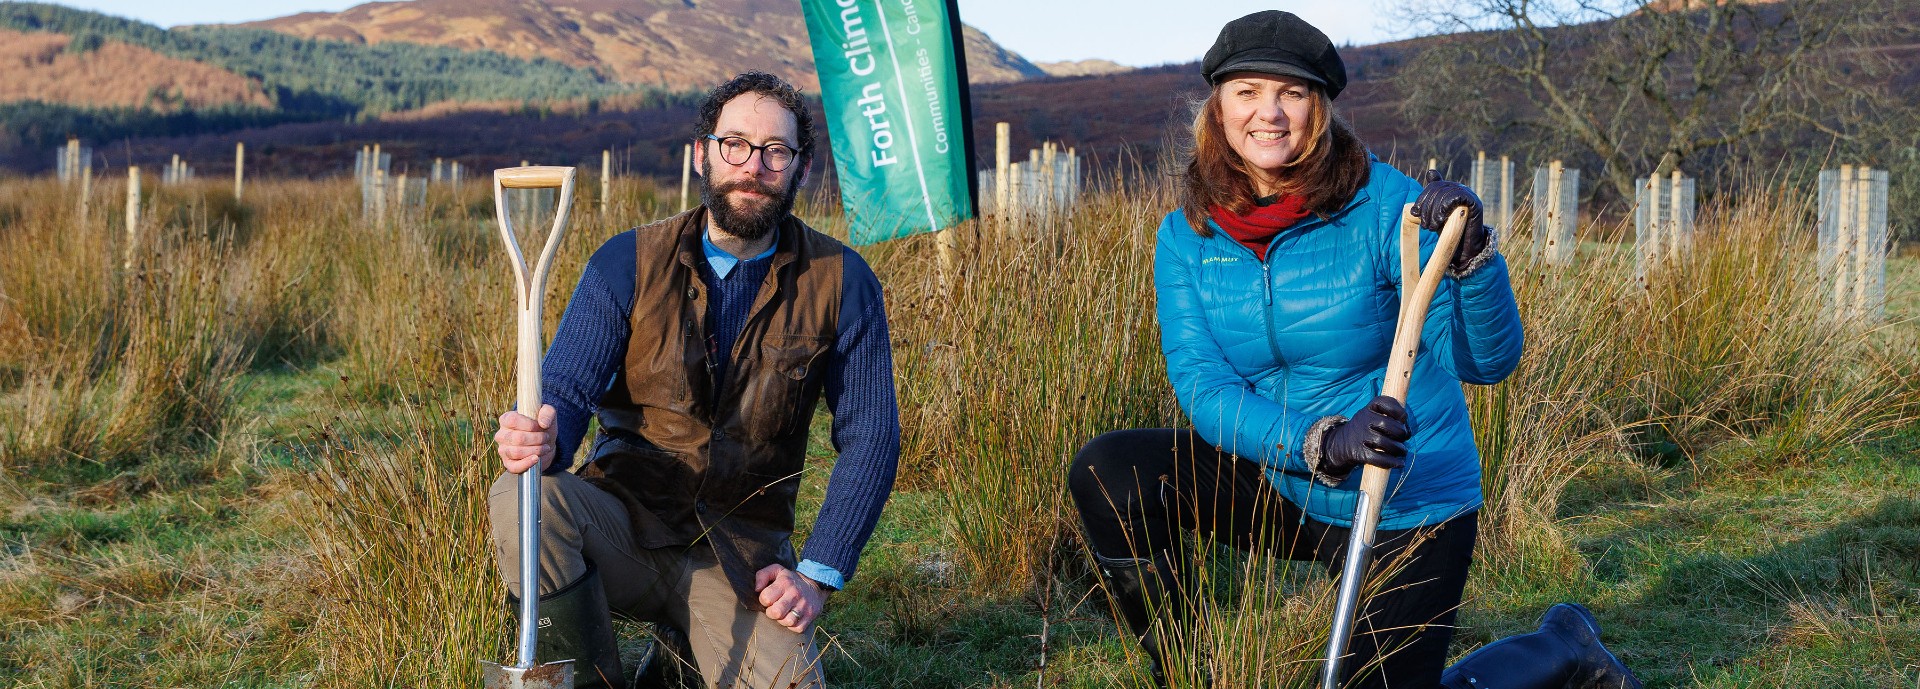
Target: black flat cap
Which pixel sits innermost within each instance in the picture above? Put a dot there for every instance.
(1279, 43)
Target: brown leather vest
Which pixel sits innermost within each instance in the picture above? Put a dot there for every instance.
(696, 461)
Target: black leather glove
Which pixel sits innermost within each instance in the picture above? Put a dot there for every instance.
(1437, 201)
(1377, 435)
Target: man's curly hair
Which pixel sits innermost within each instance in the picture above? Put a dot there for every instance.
(767, 85)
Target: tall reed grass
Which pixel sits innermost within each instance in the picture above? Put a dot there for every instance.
(1725, 345)
(118, 366)
(115, 364)
(1041, 339)
(403, 563)
(1041, 342)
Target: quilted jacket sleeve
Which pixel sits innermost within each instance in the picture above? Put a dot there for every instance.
(1476, 331)
(1223, 406)
(1473, 325)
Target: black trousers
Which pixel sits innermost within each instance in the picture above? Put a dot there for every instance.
(1137, 489)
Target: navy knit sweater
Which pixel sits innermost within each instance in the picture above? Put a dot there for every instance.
(591, 345)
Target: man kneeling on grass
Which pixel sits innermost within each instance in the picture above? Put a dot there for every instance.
(703, 343)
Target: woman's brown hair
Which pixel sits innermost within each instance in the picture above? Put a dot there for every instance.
(1330, 169)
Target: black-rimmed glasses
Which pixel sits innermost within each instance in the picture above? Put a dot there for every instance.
(737, 151)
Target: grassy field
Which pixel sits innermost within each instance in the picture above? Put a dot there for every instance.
(253, 454)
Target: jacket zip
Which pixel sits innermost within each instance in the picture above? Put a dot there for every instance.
(1273, 344)
(1273, 340)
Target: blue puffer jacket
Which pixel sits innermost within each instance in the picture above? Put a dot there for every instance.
(1259, 353)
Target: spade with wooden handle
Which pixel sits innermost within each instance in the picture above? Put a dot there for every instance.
(529, 288)
(1416, 294)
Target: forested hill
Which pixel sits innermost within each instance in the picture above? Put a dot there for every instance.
(301, 73)
(297, 79)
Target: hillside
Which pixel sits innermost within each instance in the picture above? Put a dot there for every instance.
(1082, 68)
(95, 76)
(54, 68)
(667, 43)
(327, 78)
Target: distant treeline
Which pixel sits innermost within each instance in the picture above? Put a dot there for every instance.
(36, 125)
(306, 79)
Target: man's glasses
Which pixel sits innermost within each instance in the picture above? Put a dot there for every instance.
(737, 151)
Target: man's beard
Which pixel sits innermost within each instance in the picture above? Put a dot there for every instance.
(743, 222)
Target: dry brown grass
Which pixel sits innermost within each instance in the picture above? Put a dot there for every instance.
(118, 363)
(1042, 340)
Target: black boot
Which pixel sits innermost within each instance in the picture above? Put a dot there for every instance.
(1145, 590)
(1565, 654)
(669, 664)
(576, 625)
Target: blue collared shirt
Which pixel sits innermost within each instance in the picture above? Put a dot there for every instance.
(723, 262)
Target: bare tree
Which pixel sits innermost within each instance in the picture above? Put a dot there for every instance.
(1642, 86)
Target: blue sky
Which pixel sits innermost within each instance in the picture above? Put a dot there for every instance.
(1131, 32)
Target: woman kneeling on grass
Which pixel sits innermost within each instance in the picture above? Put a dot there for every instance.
(1278, 285)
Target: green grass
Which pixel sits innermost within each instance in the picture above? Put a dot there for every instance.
(181, 570)
(1808, 574)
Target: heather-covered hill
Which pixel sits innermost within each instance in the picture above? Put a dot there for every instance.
(667, 43)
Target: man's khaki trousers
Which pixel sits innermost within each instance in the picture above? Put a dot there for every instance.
(735, 647)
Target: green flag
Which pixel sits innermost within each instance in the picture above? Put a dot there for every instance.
(893, 83)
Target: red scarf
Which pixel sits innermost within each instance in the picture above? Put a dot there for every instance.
(1261, 223)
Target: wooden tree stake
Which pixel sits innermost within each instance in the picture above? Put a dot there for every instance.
(1506, 193)
(133, 214)
(606, 180)
(1002, 159)
(1863, 251)
(1554, 172)
(239, 169)
(86, 191)
(686, 175)
(1843, 240)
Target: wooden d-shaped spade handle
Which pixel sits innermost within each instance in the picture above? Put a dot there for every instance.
(529, 288)
(529, 285)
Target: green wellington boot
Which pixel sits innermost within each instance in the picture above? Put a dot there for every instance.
(576, 625)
